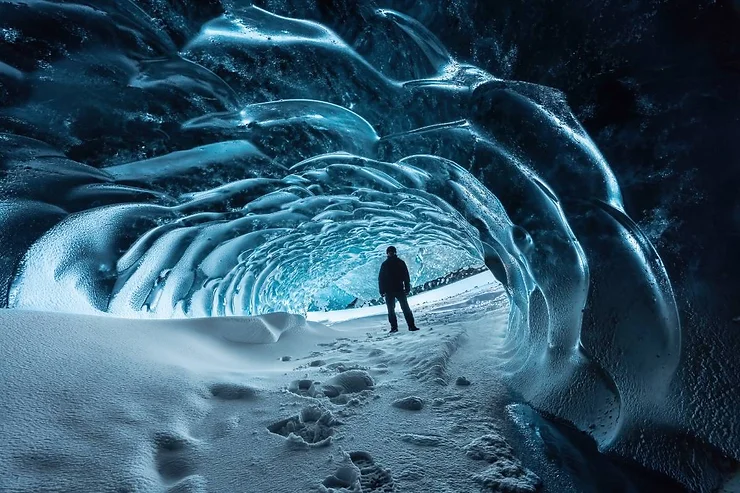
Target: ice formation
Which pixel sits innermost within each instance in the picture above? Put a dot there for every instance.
(233, 161)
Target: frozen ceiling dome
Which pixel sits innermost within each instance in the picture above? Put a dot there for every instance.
(259, 162)
(251, 246)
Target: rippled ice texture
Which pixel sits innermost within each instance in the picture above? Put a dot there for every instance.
(226, 160)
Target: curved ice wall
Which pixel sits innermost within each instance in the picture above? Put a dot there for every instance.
(172, 160)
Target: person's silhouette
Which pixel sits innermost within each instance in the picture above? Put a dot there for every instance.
(394, 284)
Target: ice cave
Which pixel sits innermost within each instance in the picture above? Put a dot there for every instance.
(196, 198)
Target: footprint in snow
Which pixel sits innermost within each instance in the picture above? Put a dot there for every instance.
(359, 472)
(313, 427)
(175, 458)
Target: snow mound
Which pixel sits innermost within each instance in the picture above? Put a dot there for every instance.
(147, 402)
(348, 382)
(265, 329)
(411, 403)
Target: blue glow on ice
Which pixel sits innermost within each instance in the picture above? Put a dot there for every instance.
(266, 165)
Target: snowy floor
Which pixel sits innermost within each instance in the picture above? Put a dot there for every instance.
(270, 405)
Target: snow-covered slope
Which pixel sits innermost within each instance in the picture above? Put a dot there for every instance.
(104, 404)
(273, 404)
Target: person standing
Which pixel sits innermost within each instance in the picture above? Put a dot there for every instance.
(394, 284)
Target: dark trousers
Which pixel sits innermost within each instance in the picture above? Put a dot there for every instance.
(390, 303)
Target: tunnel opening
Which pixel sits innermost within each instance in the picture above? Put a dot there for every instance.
(311, 238)
(474, 292)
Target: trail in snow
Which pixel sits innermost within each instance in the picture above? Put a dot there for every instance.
(423, 429)
(273, 404)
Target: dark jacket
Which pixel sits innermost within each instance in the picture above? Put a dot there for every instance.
(394, 277)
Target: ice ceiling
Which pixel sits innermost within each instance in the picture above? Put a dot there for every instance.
(256, 162)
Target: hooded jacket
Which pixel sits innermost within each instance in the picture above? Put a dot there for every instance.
(394, 277)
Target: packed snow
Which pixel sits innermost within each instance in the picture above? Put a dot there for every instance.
(266, 404)
(270, 403)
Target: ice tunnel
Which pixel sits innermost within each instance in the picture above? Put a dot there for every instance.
(211, 160)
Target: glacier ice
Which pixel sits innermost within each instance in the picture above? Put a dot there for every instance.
(251, 162)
